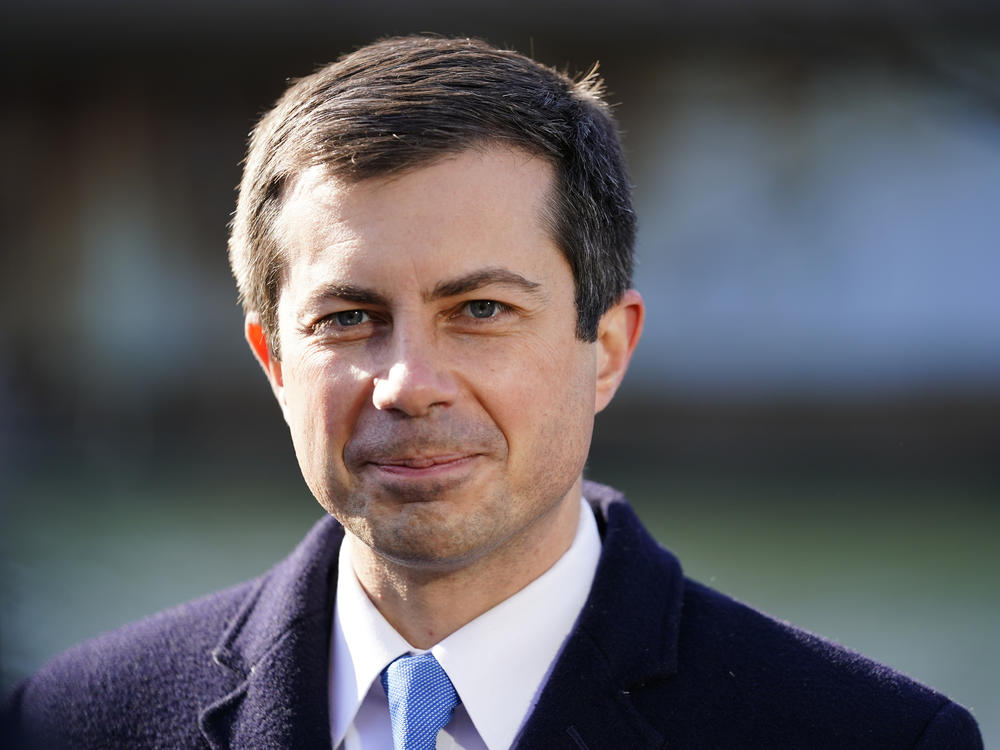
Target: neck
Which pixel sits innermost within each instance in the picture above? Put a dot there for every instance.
(425, 605)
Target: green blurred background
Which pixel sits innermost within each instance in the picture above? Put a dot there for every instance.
(812, 422)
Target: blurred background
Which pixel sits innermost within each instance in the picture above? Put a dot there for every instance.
(812, 422)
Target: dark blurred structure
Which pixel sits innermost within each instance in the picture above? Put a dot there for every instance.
(817, 186)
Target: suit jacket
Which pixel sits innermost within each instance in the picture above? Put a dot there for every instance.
(655, 661)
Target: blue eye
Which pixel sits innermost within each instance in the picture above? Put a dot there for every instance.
(482, 308)
(351, 318)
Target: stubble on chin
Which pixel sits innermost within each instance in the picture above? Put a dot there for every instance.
(423, 529)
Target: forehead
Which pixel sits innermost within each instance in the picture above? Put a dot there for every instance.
(480, 206)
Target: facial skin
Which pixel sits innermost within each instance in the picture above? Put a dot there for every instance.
(439, 401)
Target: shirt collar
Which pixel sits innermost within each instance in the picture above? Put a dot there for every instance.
(498, 684)
(364, 643)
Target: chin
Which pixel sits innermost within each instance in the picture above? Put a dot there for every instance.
(429, 538)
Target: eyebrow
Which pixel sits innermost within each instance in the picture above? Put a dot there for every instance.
(478, 279)
(348, 293)
(448, 288)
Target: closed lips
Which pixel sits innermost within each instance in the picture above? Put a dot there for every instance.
(422, 462)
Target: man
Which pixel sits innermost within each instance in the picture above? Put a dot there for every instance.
(433, 246)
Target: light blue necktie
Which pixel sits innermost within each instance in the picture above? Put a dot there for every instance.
(421, 699)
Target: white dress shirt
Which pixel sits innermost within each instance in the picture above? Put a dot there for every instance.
(498, 662)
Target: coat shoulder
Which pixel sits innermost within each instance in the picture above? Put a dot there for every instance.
(132, 684)
(790, 686)
(153, 683)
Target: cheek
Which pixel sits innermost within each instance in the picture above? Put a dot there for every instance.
(323, 399)
(544, 404)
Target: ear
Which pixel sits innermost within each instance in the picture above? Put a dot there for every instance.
(617, 334)
(254, 333)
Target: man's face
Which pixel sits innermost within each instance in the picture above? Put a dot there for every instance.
(439, 401)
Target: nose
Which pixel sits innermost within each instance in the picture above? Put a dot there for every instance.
(415, 381)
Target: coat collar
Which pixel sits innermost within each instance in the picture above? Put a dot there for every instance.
(626, 637)
(276, 650)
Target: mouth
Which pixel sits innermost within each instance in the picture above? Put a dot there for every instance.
(422, 462)
(418, 466)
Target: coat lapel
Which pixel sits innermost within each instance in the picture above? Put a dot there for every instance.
(276, 650)
(277, 653)
(626, 638)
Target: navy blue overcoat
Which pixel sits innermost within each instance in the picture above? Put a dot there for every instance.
(655, 661)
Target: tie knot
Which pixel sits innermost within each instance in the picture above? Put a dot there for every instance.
(421, 700)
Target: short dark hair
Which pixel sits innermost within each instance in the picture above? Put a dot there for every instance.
(403, 102)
